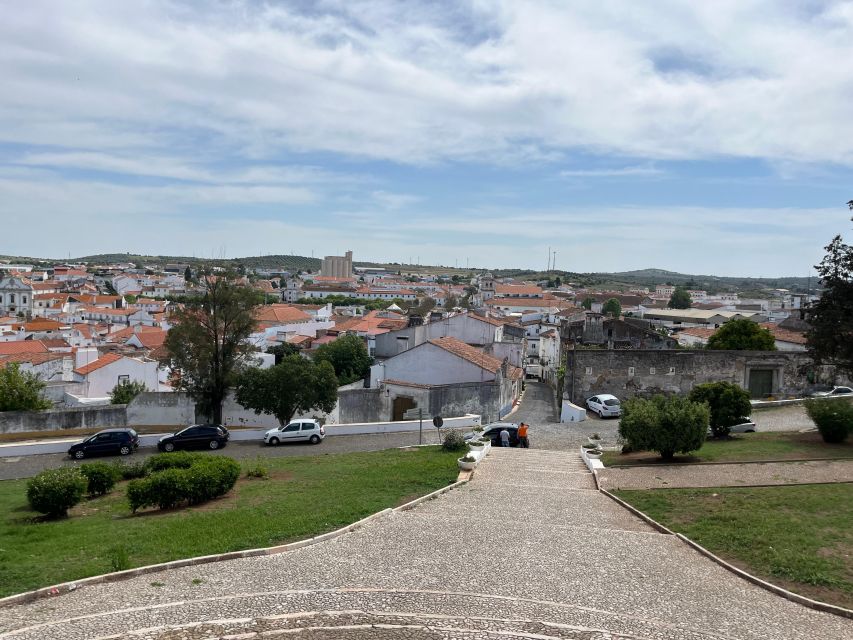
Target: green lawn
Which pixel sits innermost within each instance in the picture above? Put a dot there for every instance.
(747, 446)
(800, 538)
(303, 497)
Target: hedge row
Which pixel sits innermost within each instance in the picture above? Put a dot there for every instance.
(833, 418)
(190, 479)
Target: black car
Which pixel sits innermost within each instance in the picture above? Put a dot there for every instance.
(108, 442)
(493, 433)
(197, 436)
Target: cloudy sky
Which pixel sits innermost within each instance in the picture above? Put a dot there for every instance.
(704, 137)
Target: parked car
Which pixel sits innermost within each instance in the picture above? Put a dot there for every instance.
(835, 391)
(492, 432)
(197, 436)
(605, 405)
(109, 442)
(297, 431)
(746, 425)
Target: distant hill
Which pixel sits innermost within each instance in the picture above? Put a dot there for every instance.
(618, 280)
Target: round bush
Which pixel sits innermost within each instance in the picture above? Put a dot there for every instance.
(55, 491)
(205, 478)
(101, 477)
(175, 460)
(833, 418)
(453, 441)
(130, 470)
(668, 425)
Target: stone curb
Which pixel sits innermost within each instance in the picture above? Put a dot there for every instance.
(768, 586)
(435, 494)
(642, 516)
(711, 464)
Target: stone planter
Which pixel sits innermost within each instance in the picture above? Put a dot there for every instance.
(466, 466)
(477, 447)
(593, 454)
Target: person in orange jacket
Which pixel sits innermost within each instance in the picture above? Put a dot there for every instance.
(523, 441)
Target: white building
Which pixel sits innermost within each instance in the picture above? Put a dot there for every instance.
(16, 297)
(100, 376)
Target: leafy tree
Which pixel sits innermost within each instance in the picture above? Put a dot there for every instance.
(188, 274)
(830, 338)
(124, 392)
(668, 425)
(728, 404)
(451, 301)
(296, 385)
(680, 299)
(348, 357)
(21, 390)
(612, 308)
(587, 303)
(558, 281)
(424, 307)
(281, 351)
(208, 343)
(742, 334)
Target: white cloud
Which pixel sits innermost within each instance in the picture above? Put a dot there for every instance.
(641, 171)
(387, 80)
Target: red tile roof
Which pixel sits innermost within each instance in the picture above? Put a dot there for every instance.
(22, 346)
(103, 361)
(518, 289)
(270, 315)
(785, 335)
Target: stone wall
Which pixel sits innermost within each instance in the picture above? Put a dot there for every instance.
(161, 409)
(626, 373)
(101, 417)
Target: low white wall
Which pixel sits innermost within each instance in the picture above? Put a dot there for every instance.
(572, 412)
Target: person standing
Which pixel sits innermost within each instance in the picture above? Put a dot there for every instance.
(522, 436)
(504, 437)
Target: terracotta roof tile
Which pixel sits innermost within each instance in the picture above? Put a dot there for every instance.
(22, 346)
(103, 361)
(472, 355)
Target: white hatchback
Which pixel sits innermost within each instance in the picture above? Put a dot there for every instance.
(605, 405)
(296, 431)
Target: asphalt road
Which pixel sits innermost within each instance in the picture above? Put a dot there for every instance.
(27, 466)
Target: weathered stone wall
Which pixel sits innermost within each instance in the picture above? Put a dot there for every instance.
(483, 398)
(161, 409)
(626, 373)
(359, 405)
(101, 417)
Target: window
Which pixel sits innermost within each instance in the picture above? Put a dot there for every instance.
(11, 298)
(630, 371)
(671, 371)
(123, 379)
(292, 427)
(23, 299)
(104, 437)
(652, 371)
(589, 371)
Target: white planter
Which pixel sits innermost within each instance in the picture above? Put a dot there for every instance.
(593, 454)
(477, 447)
(466, 466)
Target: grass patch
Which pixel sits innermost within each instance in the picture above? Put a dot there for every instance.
(303, 497)
(747, 447)
(800, 538)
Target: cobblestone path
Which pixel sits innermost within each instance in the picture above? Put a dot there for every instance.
(527, 549)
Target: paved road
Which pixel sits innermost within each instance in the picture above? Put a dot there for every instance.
(26, 466)
(527, 549)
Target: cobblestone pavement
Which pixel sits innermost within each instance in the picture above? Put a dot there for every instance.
(527, 549)
(26, 466)
(727, 475)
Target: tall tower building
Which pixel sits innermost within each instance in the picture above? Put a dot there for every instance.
(337, 266)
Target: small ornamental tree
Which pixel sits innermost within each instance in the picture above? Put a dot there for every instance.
(728, 404)
(21, 390)
(680, 299)
(348, 357)
(587, 303)
(296, 385)
(742, 334)
(612, 308)
(668, 425)
(833, 418)
(124, 392)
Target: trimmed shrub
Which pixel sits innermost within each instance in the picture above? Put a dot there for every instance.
(175, 460)
(55, 491)
(453, 441)
(130, 470)
(666, 425)
(205, 478)
(833, 418)
(101, 477)
(728, 403)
